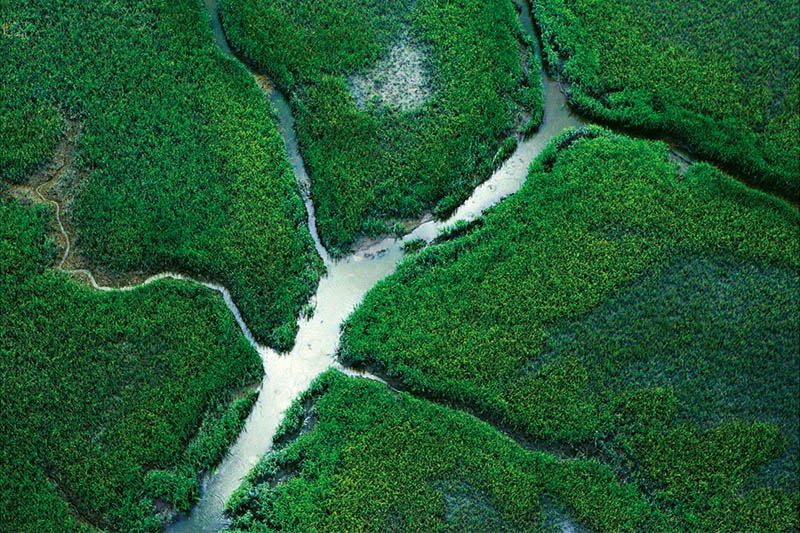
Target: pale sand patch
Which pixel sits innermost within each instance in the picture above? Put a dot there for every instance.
(400, 81)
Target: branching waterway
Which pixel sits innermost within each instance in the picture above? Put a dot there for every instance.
(346, 283)
(344, 286)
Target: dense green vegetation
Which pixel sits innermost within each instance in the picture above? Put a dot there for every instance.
(103, 394)
(28, 132)
(370, 165)
(354, 456)
(180, 164)
(721, 75)
(645, 316)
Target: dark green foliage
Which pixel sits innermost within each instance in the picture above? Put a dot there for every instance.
(617, 305)
(698, 471)
(28, 131)
(414, 245)
(177, 489)
(505, 150)
(721, 76)
(181, 166)
(376, 460)
(102, 394)
(178, 486)
(731, 323)
(379, 162)
(459, 228)
(558, 520)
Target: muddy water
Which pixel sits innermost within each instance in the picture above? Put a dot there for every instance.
(345, 284)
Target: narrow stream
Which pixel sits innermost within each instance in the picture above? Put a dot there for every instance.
(346, 283)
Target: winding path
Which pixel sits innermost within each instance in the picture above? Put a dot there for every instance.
(40, 193)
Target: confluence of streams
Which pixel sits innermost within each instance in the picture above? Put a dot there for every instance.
(346, 282)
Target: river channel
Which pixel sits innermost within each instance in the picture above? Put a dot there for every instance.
(344, 286)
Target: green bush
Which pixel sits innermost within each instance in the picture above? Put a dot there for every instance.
(505, 150)
(28, 132)
(414, 245)
(178, 490)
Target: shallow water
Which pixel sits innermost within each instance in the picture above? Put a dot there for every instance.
(212, 6)
(346, 283)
